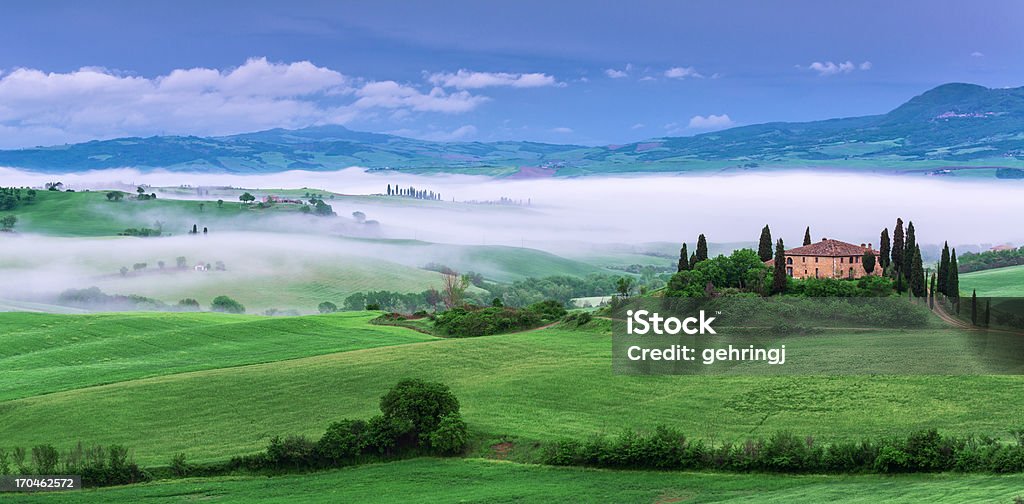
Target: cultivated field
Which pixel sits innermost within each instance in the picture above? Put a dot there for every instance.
(998, 282)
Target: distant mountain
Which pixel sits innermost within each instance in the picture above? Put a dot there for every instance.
(955, 126)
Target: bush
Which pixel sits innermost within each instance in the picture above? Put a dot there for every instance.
(472, 322)
(327, 307)
(344, 440)
(296, 452)
(450, 437)
(226, 305)
(188, 304)
(548, 310)
(383, 433)
(419, 404)
(179, 466)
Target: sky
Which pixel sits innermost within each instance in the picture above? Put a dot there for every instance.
(592, 73)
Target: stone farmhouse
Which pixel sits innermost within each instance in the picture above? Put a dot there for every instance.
(828, 259)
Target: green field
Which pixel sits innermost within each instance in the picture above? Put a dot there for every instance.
(998, 282)
(41, 353)
(541, 385)
(488, 481)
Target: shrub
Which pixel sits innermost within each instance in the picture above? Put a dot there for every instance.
(188, 304)
(450, 437)
(419, 404)
(343, 440)
(180, 466)
(45, 458)
(548, 310)
(295, 452)
(383, 433)
(327, 307)
(472, 322)
(226, 305)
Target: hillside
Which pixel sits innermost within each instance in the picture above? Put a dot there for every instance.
(998, 282)
(953, 126)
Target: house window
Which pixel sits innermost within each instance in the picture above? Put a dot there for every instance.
(841, 260)
(789, 260)
(815, 272)
(815, 259)
(789, 271)
(851, 273)
(803, 259)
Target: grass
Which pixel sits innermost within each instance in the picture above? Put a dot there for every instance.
(998, 282)
(41, 353)
(488, 481)
(541, 385)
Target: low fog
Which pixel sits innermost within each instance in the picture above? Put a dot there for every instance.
(571, 217)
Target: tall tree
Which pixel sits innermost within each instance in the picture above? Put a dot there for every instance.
(917, 281)
(702, 248)
(884, 248)
(684, 259)
(868, 261)
(779, 277)
(764, 247)
(909, 244)
(931, 292)
(988, 312)
(807, 236)
(693, 260)
(943, 272)
(898, 246)
(953, 283)
(974, 307)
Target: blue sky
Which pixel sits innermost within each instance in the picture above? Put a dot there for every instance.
(555, 71)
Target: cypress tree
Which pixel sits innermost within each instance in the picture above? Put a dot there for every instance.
(764, 247)
(953, 280)
(702, 248)
(779, 277)
(917, 274)
(807, 236)
(693, 260)
(897, 246)
(684, 259)
(389, 189)
(974, 307)
(899, 283)
(931, 292)
(943, 269)
(868, 261)
(883, 248)
(910, 243)
(988, 312)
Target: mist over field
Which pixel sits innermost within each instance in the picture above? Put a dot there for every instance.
(851, 207)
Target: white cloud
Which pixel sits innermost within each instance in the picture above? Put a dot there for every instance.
(562, 129)
(710, 122)
(637, 126)
(461, 133)
(682, 73)
(829, 68)
(977, 54)
(615, 74)
(465, 79)
(40, 108)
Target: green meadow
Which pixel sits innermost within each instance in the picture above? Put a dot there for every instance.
(444, 481)
(998, 282)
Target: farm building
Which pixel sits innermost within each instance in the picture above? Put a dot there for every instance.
(828, 259)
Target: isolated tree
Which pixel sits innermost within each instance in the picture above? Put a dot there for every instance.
(884, 248)
(360, 217)
(779, 277)
(702, 248)
(124, 271)
(7, 222)
(195, 229)
(917, 281)
(181, 262)
(220, 203)
(327, 307)
(389, 189)
(141, 191)
(115, 196)
(453, 289)
(624, 285)
(868, 261)
(201, 207)
(909, 244)
(943, 272)
(247, 198)
(898, 246)
(684, 261)
(764, 246)
(974, 307)
(226, 305)
(807, 236)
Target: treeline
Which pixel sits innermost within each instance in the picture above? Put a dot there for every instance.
(13, 197)
(93, 298)
(472, 321)
(991, 259)
(412, 192)
(98, 466)
(667, 448)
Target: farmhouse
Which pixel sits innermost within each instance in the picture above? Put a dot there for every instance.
(828, 259)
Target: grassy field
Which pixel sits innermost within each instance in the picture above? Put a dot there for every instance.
(41, 353)
(488, 481)
(998, 282)
(540, 385)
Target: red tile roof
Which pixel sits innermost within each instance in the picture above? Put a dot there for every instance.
(829, 248)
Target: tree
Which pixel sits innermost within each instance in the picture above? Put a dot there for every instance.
(684, 261)
(124, 271)
(943, 273)
(624, 285)
(454, 289)
(327, 307)
(226, 305)
(974, 307)
(201, 207)
(988, 312)
(702, 248)
(220, 203)
(115, 196)
(181, 262)
(807, 236)
(884, 248)
(909, 244)
(931, 291)
(7, 222)
(247, 198)
(360, 217)
(953, 279)
(764, 246)
(693, 260)
(898, 246)
(418, 406)
(917, 281)
(779, 277)
(389, 189)
(868, 261)
(433, 298)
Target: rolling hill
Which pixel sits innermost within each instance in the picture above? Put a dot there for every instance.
(951, 127)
